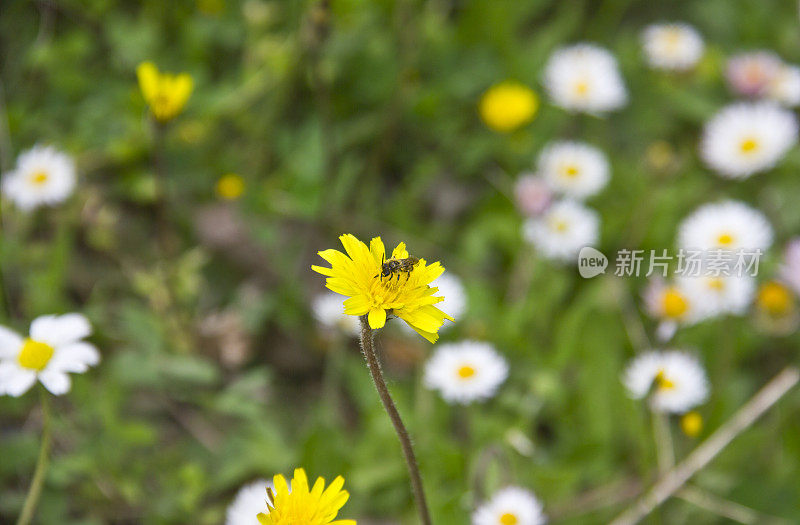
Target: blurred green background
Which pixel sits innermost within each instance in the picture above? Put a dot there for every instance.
(361, 116)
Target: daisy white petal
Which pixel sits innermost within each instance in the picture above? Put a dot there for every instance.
(60, 330)
(16, 380)
(673, 381)
(674, 46)
(575, 169)
(747, 138)
(511, 505)
(727, 225)
(249, 502)
(465, 372)
(75, 357)
(719, 295)
(785, 87)
(43, 176)
(565, 228)
(10, 342)
(790, 269)
(585, 77)
(329, 312)
(58, 383)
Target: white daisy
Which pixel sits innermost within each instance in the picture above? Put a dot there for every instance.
(719, 295)
(585, 77)
(532, 194)
(510, 506)
(576, 169)
(328, 310)
(784, 87)
(455, 297)
(565, 228)
(728, 225)
(790, 269)
(747, 137)
(249, 502)
(750, 74)
(671, 304)
(466, 371)
(43, 176)
(674, 381)
(674, 46)
(55, 346)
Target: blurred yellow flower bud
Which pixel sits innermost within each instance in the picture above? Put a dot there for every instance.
(165, 93)
(230, 187)
(508, 106)
(692, 423)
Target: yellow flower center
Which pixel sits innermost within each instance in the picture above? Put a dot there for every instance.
(725, 239)
(35, 355)
(672, 39)
(749, 145)
(508, 519)
(775, 298)
(466, 372)
(662, 383)
(581, 88)
(559, 225)
(716, 284)
(674, 303)
(230, 187)
(39, 178)
(692, 423)
(570, 171)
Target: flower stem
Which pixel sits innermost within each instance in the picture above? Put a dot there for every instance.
(42, 463)
(368, 347)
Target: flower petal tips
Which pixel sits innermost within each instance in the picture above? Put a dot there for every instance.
(379, 287)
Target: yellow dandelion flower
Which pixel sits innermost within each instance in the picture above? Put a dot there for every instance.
(508, 105)
(405, 294)
(166, 94)
(230, 187)
(775, 299)
(318, 506)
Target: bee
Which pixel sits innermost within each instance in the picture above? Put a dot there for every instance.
(395, 266)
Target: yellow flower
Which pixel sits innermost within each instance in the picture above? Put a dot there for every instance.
(166, 94)
(775, 299)
(406, 295)
(508, 106)
(230, 187)
(692, 423)
(301, 506)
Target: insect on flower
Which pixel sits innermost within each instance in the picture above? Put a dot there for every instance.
(394, 266)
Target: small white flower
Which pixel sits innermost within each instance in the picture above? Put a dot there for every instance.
(532, 194)
(675, 46)
(575, 169)
(510, 506)
(54, 348)
(565, 228)
(728, 225)
(671, 304)
(328, 310)
(785, 86)
(719, 295)
(249, 502)
(585, 77)
(466, 371)
(790, 269)
(455, 297)
(674, 381)
(750, 74)
(43, 177)
(747, 137)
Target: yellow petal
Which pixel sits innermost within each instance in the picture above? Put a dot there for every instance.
(377, 249)
(377, 318)
(147, 74)
(400, 252)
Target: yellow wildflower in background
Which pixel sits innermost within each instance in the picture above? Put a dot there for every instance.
(318, 506)
(165, 93)
(775, 299)
(406, 295)
(507, 106)
(692, 423)
(230, 187)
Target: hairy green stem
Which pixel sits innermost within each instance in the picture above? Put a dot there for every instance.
(368, 347)
(35, 490)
